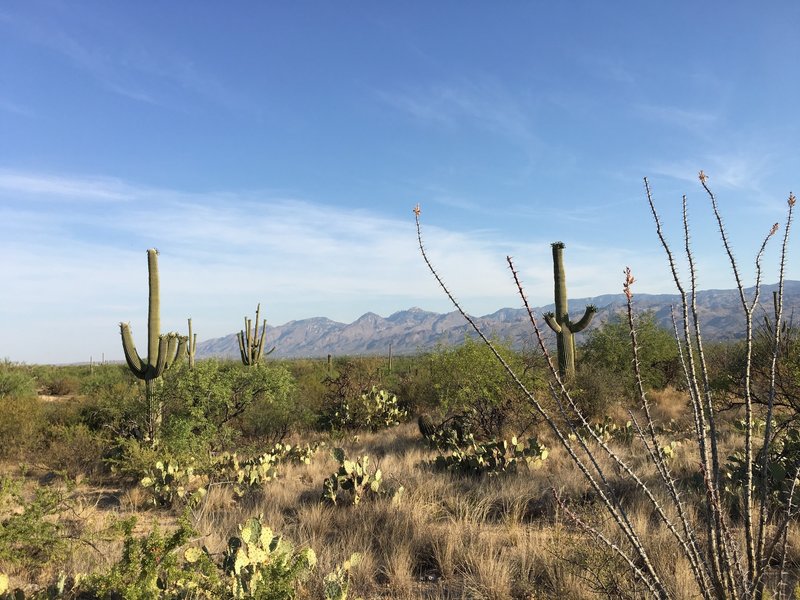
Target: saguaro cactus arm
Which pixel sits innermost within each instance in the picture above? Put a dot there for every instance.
(550, 319)
(162, 349)
(131, 356)
(191, 345)
(587, 317)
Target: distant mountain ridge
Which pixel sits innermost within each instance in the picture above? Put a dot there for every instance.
(413, 330)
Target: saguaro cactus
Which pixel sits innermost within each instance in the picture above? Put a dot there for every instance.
(560, 322)
(251, 346)
(163, 350)
(191, 345)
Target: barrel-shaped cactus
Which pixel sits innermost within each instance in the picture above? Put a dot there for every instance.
(426, 425)
(559, 320)
(163, 350)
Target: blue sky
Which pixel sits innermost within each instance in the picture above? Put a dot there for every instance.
(273, 151)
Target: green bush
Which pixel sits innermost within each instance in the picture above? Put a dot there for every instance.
(468, 379)
(114, 402)
(74, 450)
(608, 348)
(16, 381)
(149, 568)
(257, 565)
(206, 407)
(277, 409)
(596, 388)
(21, 425)
(29, 538)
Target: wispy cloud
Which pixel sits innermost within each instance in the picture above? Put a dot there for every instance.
(16, 109)
(478, 102)
(55, 186)
(742, 171)
(693, 120)
(124, 63)
(222, 253)
(608, 68)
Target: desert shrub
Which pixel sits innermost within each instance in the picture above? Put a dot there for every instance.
(105, 377)
(309, 376)
(727, 362)
(149, 567)
(350, 379)
(206, 407)
(59, 384)
(74, 449)
(415, 385)
(609, 348)
(597, 388)
(277, 410)
(257, 564)
(15, 381)
(468, 379)
(114, 402)
(22, 423)
(30, 539)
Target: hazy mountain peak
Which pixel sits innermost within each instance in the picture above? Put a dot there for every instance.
(415, 329)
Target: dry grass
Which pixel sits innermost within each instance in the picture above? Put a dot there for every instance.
(448, 537)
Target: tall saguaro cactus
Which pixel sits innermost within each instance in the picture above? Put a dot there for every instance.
(163, 350)
(191, 345)
(560, 322)
(251, 346)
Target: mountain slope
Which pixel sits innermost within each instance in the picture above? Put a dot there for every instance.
(412, 330)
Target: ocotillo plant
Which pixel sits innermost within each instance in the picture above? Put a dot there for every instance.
(560, 322)
(251, 346)
(191, 345)
(163, 350)
(740, 561)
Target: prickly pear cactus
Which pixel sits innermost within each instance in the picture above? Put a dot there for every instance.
(337, 582)
(258, 561)
(355, 480)
(170, 483)
(493, 457)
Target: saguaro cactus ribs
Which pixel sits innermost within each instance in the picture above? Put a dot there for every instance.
(163, 350)
(560, 322)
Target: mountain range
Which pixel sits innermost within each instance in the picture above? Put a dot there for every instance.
(414, 330)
